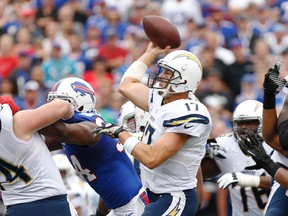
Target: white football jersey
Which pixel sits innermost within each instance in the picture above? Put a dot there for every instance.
(245, 200)
(186, 116)
(27, 170)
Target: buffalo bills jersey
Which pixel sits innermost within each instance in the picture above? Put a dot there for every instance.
(186, 116)
(245, 200)
(105, 166)
(23, 178)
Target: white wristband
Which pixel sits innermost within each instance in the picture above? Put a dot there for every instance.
(136, 70)
(248, 180)
(130, 144)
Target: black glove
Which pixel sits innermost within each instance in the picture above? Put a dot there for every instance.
(109, 129)
(272, 83)
(253, 147)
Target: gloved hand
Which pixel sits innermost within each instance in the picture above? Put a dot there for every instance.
(238, 178)
(109, 129)
(272, 83)
(253, 147)
(213, 149)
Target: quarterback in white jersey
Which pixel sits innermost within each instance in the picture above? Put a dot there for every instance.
(29, 179)
(174, 139)
(240, 175)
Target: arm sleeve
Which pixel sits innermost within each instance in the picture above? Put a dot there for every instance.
(283, 134)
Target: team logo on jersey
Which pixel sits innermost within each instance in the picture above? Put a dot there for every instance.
(82, 89)
(192, 118)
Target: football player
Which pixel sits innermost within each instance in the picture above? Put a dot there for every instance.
(30, 181)
(103, 162)
(174, 139)
(248, 185)
(275, 134)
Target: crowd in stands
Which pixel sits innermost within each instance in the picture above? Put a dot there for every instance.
(43, 41)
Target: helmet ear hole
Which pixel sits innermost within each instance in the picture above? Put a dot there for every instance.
(80, 109)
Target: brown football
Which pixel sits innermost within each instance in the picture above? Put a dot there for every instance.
(161, 31)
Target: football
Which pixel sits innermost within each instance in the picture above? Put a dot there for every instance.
(161, 31)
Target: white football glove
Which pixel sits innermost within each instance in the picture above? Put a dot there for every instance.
(243, 180)
(213, 149)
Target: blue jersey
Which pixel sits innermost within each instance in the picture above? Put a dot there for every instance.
(105, 166)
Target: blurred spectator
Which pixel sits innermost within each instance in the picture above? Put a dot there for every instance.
(241, 66)
(218, 22)
(24, 41)
(277, 40)
(92, 41)
(214, 42)
(245, 33)
(138, 12)
(21, 74)
(262, 59)
(216, 90)
(122, 6)
(249, 90)
(45, 13)
(78, 55)
(37, 74)
(262, 22)
(114, 21)
(98, 74)
(67, 24)
(28, 21)
(8, 58)
(178, 11)
(114, 54)
(52, 35)
(57, 67)
(31, 98)
(209, 61)
(7, 87)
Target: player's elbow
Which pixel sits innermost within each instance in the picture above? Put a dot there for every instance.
(152, 163)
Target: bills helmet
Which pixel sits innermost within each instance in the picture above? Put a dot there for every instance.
(76, 91)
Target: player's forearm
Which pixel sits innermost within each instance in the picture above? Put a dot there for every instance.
(265, 182)
(269, 130)
(142, 152)
(282, 177)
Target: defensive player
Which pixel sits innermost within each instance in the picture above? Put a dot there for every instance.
(248, 186)
(29, 179)
(275, 134)
(103, 163)
(174, 139)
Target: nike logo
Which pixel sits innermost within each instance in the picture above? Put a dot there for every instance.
(187, 126)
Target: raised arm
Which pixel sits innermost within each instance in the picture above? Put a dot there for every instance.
(131, 86)
(272, 85)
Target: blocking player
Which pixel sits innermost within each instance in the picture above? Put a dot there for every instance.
(29, 179)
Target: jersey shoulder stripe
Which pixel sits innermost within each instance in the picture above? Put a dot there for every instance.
(191, 118)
